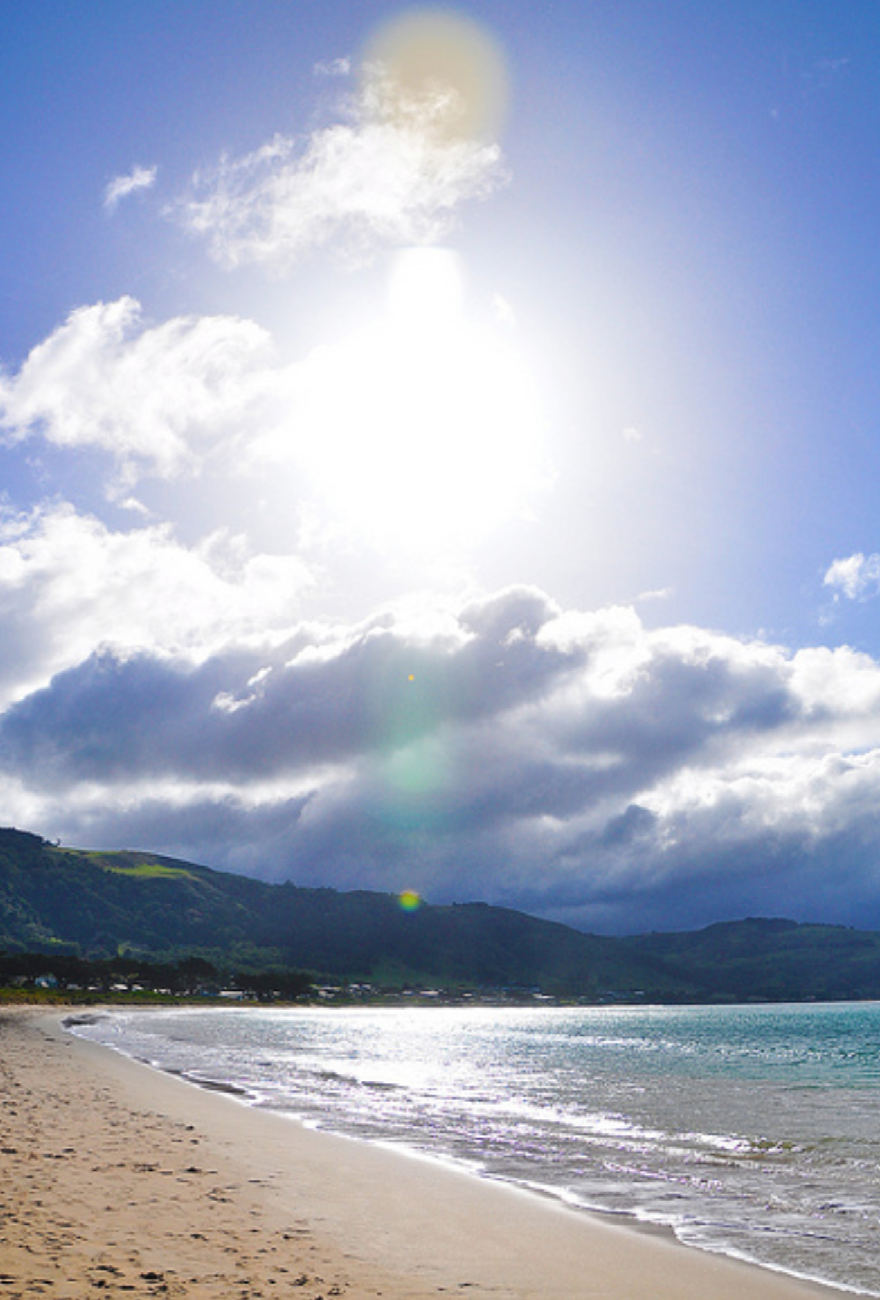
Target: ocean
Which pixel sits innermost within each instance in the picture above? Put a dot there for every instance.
(749, 1130)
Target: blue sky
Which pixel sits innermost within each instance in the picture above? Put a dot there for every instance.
(439, 448)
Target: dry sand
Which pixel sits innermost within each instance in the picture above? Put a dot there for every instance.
(116, 1179)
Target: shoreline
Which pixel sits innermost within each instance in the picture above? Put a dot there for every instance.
(150, 1184)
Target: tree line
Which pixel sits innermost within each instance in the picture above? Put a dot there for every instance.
(188, 976)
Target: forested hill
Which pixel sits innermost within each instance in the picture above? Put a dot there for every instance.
(93, 904)
(774, 959)
(98, 904)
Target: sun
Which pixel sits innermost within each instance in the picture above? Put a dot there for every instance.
(423, 429)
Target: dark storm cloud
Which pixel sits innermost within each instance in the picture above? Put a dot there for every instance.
(574, 765)
(248, 714)
(677, 708)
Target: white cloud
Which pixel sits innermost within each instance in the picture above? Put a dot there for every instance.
(69, 586)
(156, 397)
(390, 175)
(839, 687)
(857, 577)
(333, 68)
(140, 178)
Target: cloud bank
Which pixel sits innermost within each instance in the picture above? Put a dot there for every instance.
(572, 764)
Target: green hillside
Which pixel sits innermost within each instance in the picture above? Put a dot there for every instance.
(99, 906)
(773, 959)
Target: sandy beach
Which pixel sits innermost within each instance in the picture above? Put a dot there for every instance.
(115, 1178)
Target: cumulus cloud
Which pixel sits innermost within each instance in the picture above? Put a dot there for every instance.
(326, 695)
(389, 174)
(69, 585)
(857, 577)
(156, 396)
(572, 764)
(138, 179)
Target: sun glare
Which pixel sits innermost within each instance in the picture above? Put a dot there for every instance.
(423, 428)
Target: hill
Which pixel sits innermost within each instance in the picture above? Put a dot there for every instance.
(776, 959)
(99, 905)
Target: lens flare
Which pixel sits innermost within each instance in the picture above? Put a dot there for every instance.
(442, 68)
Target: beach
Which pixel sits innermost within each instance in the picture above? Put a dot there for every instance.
(120, 1179)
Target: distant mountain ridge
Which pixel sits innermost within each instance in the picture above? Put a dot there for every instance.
(772, 958)
(96, 904)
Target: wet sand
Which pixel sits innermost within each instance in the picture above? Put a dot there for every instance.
(118, 1180)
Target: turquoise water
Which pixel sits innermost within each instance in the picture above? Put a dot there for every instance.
(753, 1131)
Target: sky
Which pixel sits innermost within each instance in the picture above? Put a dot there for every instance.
(440, 447)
